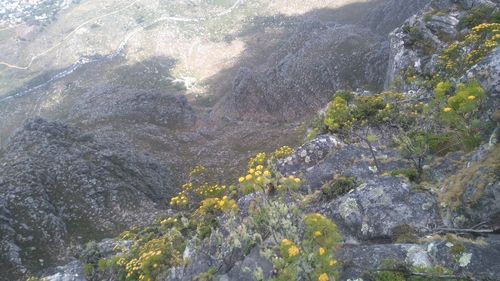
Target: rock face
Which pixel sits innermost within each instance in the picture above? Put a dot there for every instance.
(134, 106)
(416, 44)
(486, 73)
(309, 154)
(377, 207)
(478, 258)
(389, 15)
(60, 185)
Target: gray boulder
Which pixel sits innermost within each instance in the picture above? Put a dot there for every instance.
(72, 271)
(309, 154)
(373, 210)
(476, 259)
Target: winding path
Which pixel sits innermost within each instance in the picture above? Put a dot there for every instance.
(127, 37)
(118, 51)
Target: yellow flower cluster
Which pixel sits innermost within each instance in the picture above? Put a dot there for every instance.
(207, 190)
(168, 221)
(478, 43)
(282, 152)
(256, 175)
(323, 277)
(126, 235)
(179, 200)
(289, 249)
(259, 159)
(447, 109)
(187, 186)
(135, 266)
(321, 251)
(224, 204)
(197, 170)
(292, 179)
(293, 251)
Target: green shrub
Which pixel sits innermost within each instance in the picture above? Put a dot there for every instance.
(409, 173)
(478, 15)
(368, 107)
(460, 113)
(313, 258)
(441, 144)
(461, 55)
(414, 146)
(210, 275)
(348, 96)
(88, 270)
(342, 116)
(338, 115)
(338, 187)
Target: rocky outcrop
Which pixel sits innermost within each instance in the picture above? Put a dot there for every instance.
(486, 73)
(477, 258)
(379, 206)
(309, 154)
(417, 42)
(389, 15)
(62, 186)
(134, 106)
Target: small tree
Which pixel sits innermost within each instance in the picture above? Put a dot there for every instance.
(414, 146)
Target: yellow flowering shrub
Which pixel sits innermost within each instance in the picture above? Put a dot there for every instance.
(461, 55)
(215, 206)
(338, 115)
(197, 170)
(313, 258)
(180, 200)
(150, 254)
(341, 116)
(259, 159)
(282, 152)
(262, 178)
(196, 190)
(459, 112)
(210, 209)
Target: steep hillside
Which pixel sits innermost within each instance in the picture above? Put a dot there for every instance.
(396, 185)
(392, 107)
(330, 50)
(62, 187)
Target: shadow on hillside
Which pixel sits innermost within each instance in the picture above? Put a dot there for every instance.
(264, 36)
(271, 41)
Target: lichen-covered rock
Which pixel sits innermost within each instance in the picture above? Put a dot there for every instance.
(487, 73)
(59, 186)
(416, 43)
(358, 259)
(475, 259)
(309, 154)
(351, 161)
(373, 210)
(470, 195)
(253, 265)
(72, 271)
